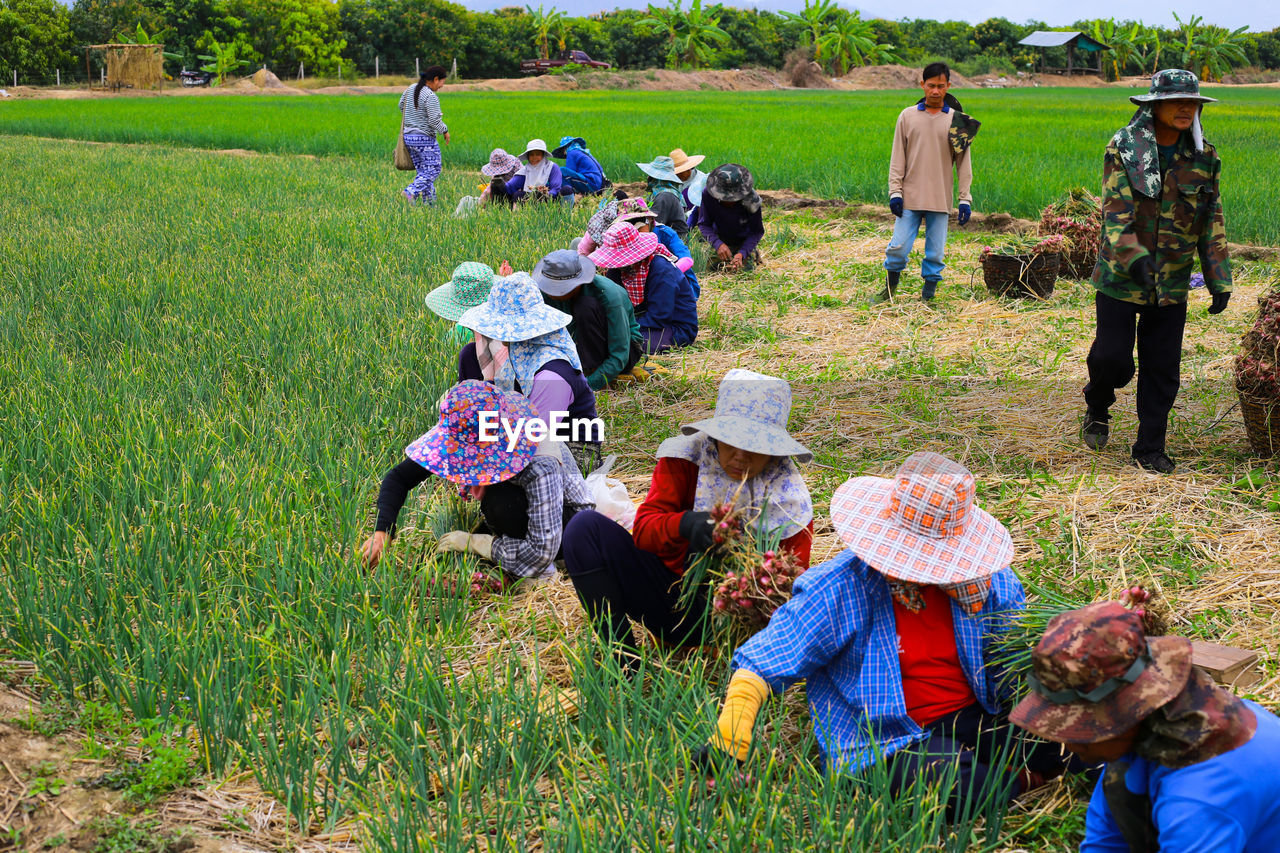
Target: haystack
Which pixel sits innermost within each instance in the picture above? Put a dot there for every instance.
(132, 66)
(264, 79)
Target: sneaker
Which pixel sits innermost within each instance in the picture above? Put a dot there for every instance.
(1094, 432)
(929, 290)
(1157, 461)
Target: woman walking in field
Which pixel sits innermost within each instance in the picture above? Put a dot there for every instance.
(421, 122)
(743, 455)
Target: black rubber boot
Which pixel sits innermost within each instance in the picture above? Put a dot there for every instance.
(1157, 461)
(1095, 431)
(889, 290)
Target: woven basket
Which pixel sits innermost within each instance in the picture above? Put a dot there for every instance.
(1077, 264)
(1261, 423)
(1021, 276)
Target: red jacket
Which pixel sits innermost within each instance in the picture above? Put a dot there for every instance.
(657, 524)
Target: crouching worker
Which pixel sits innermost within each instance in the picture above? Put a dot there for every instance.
(538, 179)
(664, 303)
(603, 327)
(743, 452)
(1190, 767)
(527, 491)
(635, 211)
(521, 345)
(581, 170)
(893, 637)
(730, 218)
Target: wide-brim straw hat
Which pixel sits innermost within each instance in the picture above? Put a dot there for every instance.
(1095, 675)
(1173, 84)
(468, 287)
(660, 169)
(455, 447)
(500, 163)
(751, 414)
(534, 145)
(624, 245)
(921, 525)
(565, 142)
(681, 161)
(562, 270)
(514, 311)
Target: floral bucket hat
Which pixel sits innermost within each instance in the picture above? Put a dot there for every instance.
(456, 449)
(500, 164)
(921, 526)
(563, 148)
(1095, 674)
(751, 414)
(634, 210)
(514, 311)
(661, 169)
(468, 287)
(623, 246)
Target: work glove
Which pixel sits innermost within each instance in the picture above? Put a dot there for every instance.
(732, 737)
(895, 206)
(480, 544)
(1219, 303)
(1143, 271)
(963, 214)
(697, 527)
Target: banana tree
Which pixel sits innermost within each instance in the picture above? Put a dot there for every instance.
(543, 24)
(813, 20)
(692, 35)
(222, 60)
(140, 37)
(1218, 50)
(846, 42)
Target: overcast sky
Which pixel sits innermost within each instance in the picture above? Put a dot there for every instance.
(1255, 14)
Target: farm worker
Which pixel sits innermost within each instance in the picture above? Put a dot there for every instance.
(743, 454)
(522, 346)
(635, 211)
(421, 122)
(1160, 209)
(468, 287)
(605, 215)
(603, 327)
(665, 200)
(930, 141)
(894, 637)
(664, 303)
(539, 178)
(692, 181)
(526, 490)
(501, 167)
(730, 218)
(1190, 767)
(581, 170)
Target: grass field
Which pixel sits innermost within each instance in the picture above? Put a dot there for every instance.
(209, 361)
(1034, 144)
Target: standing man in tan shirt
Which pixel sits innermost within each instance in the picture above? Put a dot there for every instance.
(931, 139)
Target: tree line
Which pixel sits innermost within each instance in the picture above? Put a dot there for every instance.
(359, 37)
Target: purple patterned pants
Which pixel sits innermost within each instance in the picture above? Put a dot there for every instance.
(425, 152)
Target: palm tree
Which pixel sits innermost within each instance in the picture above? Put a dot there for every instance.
(813, 19)
(543, 24)
(691, 35)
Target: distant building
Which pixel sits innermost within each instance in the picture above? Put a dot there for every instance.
(1072, 40)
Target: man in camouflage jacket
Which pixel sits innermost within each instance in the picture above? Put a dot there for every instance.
(1161, 209)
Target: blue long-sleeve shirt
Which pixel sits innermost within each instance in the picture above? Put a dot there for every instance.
(671, 240)
(668, 302)
(584, 164)
(515, 186)
(1228, 804)
(839, 632)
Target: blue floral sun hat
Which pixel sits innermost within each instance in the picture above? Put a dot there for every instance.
(514, 311)
(751, 414)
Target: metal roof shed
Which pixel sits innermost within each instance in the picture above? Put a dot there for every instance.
(1071, 40)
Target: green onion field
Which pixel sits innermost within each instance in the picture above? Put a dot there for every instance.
(208, 360)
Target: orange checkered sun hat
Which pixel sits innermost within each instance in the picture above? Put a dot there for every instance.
(921, 526)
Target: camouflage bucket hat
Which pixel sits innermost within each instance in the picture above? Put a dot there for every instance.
(731, 182)
(1095, 675)
(1173, 84)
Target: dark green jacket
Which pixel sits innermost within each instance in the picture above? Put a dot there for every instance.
(622, 328)
(1184, 221)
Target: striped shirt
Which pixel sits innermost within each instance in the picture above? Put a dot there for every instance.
(839, 632)
(426, 116)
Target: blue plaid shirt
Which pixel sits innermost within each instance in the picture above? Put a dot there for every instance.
(838, 631)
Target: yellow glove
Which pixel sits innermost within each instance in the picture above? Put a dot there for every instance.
(747, 692)
(480, 544)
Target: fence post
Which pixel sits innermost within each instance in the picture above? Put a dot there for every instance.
(339, 69)
(375, 70)
(455, 68)
(58, 73)
(103, 69)
(417, 71)
(302, 72)
(15, 78)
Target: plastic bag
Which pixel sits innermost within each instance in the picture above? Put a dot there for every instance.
(611, 495)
